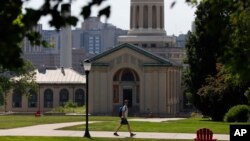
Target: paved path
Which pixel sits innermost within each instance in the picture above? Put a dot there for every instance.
(49, 130)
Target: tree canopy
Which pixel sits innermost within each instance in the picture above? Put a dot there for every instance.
(220, 37)
(15, 25)
(21, 79)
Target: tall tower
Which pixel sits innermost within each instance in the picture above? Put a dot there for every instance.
(66, 43)
(147, 17)
(147, 30)
(147, 26)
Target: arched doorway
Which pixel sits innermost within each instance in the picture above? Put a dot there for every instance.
(126, 85)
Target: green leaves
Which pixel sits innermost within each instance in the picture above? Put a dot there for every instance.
(221, 37)
(86, 10)
(16, 25)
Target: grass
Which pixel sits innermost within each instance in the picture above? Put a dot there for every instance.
(180, 126)
(76, 139)
(110, 124)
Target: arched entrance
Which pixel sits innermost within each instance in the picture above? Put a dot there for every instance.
(126, 86)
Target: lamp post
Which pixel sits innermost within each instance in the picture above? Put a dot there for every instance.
(87, 67)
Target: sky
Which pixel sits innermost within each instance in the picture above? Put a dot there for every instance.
(178, 19)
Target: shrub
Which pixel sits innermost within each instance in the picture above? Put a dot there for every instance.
(70, 104)
(238, 113)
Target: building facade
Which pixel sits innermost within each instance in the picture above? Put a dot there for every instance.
(147, 30)
(56, 86)
(145, 68)
(152, 84)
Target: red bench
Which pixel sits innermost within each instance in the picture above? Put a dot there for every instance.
(204, 134)
(38, 114)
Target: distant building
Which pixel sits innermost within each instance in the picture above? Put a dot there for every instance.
(93, 38)
(181, 40)
(193, 28)
(97, 37)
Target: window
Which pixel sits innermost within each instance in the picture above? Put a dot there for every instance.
(115, 94)
(79, 97)
(137, 94)
(48, 98)
(153, 45)
(64, 97)
(144, 45)
(32, 100)
(131, 17)
(154, 17)
(127, 75)
(145, 16)
(137, 17)
(16, 99)
(161, 17)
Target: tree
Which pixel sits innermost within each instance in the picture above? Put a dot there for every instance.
(5, 86)
(206, 44)
(16, 25)
(221, 37)
(21, 79)
(236, 56)
(221, 92)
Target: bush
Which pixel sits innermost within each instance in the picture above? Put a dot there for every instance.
(70, 104)
(238, 113)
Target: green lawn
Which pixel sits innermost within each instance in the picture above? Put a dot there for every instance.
(180, 126)
(75, 139)
(110, 124)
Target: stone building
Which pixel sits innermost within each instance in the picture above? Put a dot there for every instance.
(150, 83)
(147, 30)
(56, 87)
(144, 68)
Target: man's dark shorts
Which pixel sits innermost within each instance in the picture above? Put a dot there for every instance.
(124, 121)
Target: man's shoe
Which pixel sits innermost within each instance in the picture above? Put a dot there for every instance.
(131, 135)
(116, 134)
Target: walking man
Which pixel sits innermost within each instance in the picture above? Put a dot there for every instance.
(124, 120)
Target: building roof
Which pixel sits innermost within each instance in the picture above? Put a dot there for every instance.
(161, 61)
(59, 76)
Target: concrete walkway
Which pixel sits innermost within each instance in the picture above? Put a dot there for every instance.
(49, 130)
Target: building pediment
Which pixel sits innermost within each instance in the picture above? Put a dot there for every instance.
(127, 53)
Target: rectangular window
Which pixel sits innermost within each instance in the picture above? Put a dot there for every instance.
(137, 94)
(115, 94)
(153, 45)
(32, 101)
